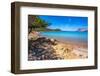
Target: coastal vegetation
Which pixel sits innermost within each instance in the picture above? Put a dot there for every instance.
(38, 24)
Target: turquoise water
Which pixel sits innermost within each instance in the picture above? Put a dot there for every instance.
(66, 35)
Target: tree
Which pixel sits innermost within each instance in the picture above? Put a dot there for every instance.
(36, 22)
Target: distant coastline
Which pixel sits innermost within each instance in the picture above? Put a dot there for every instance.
(82, 30)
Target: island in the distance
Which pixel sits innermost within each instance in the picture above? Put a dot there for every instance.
(82, 30)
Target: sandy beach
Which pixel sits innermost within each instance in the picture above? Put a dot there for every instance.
(43, 48)
(70, 51)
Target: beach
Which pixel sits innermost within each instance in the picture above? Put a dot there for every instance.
(70, 51)
(46, 48)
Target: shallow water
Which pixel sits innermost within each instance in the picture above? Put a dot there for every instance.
(67, 35)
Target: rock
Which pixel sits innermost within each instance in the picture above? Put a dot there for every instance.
(52, 40)
(41, 49)
(33, 54)
(30, 51)
(33, 36)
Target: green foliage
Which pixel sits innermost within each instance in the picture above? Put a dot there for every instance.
(57, 29)
(39, 23)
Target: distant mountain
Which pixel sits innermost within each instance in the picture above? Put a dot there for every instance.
(82, 29)
(53, 29)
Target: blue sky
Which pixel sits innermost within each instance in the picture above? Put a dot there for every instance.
(66, 23)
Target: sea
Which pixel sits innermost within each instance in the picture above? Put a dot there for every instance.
(66, 35)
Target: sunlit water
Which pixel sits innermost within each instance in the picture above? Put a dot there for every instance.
(66, 35)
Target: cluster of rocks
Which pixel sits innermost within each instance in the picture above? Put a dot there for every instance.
(33, 35)
(41, 49)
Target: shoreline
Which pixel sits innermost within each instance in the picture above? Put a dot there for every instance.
(69, 40)
(71, 51)
(50, 49)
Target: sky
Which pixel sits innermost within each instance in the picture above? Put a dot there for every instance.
(66, 23)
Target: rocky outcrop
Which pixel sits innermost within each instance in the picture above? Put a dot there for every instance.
(33, 35)
(41, 49)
